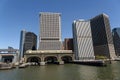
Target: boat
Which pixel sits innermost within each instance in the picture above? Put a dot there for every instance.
(23, 65)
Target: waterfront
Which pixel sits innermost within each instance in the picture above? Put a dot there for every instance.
(63, 72)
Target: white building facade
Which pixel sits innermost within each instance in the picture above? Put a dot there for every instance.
(82, 39)
(50, 31)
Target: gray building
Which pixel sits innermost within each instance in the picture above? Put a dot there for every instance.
(116, 40)
(82, 39)
(28, 41)
(102, 36)
(50, 31)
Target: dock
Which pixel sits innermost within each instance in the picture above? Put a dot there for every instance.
(5, 66)
(90, 62)
(117, 59)
(24, 65)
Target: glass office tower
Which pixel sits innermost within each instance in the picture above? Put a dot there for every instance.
(22, 41)
(28, 41)
(102, 36)
(116, 40)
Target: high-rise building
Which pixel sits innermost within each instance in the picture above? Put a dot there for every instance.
(82, 39)
(102, 36)
(50, 31)
(22, 41)
(116, 40)
(68, 44)
(28, 41)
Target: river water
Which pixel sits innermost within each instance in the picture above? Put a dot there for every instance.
(63, 72)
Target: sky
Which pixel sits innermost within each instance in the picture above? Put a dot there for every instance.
(16, 15)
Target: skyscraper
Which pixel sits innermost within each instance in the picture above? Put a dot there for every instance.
(82, 39)
(116, 40)
(28, 41)
(50, 31)
(102, 36)
(22, 41)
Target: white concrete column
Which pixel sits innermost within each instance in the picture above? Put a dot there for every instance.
(0, 58)
(14, 59)
(42, 63)
(61, 62)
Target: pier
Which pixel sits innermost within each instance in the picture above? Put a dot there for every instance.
(90, 62)
(5, 66)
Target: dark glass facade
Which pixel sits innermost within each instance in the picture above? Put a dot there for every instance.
(28, 41)
(102, 36)
(68, 44)
(22, 41)
(116, 40)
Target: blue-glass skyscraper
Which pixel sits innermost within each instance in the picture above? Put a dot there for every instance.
(22, 41)
(116, 40)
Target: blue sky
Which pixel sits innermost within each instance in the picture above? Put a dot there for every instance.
(16, 15)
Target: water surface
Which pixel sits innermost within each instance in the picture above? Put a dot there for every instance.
(63, 72)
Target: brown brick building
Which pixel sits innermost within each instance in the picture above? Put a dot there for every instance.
(68, 44)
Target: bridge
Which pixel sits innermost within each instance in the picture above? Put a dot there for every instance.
(8, 58)
(8, 55)
(43, 57)
(9, 50)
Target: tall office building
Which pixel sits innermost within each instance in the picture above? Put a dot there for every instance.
(28, 41)
(82, 39)
(22, 41)
(50, 31)
(116, 40)
(102, 36)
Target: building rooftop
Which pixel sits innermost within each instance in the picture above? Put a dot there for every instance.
(49, 51)
(48, 13)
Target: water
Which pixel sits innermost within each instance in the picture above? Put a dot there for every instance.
(63, 72)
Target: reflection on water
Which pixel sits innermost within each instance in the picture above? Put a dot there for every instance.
(63, 72)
